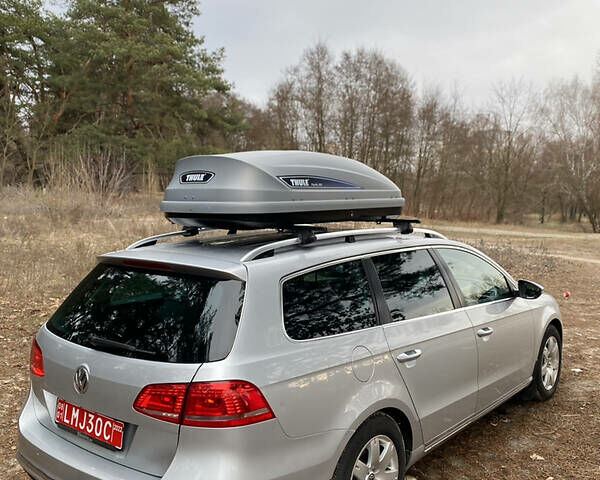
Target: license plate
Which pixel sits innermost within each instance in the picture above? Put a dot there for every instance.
(103, 429)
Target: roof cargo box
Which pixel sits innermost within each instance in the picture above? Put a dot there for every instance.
(276, 189)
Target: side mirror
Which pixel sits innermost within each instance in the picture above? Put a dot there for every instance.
(529, 290)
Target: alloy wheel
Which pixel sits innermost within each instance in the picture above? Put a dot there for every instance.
(550, 363)
(378, 460)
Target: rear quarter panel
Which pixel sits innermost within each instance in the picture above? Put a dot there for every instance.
(310, 385)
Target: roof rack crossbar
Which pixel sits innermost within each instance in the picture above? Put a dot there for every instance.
(306, 233)
(404, 225)
(185, 232)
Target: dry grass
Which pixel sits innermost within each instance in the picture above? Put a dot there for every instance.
(52, 239)
(49, 240)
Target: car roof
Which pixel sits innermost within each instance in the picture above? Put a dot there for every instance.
(230, 253)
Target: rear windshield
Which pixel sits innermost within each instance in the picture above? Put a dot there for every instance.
(167, 317)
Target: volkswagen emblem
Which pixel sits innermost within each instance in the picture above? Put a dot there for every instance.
(81, 379)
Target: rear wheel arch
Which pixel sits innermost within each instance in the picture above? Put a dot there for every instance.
(379, 423)
(401, 419)
(405, 428)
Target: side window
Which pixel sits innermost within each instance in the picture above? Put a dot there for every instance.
(412, 284)
(332, 300)
(479, 281)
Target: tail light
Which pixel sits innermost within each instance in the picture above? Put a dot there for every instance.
(36, 363)
(205, 404)
(225, 404)
(162, 401)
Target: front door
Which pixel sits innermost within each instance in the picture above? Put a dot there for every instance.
(502, 325)
(432, 343)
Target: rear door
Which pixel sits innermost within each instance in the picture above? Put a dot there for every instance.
(129, 328)
(502, 324)
(432, 343)
(334, 351)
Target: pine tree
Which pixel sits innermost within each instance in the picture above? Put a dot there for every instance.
(131, 74)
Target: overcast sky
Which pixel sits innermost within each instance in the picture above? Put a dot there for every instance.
(472, 43)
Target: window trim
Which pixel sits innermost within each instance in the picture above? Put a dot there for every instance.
(455, 292)
(381, 314)
(321, 266)
(507, 278)
(455, 300)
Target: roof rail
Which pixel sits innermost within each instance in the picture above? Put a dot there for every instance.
(186, 232)
(349, 235)
(430, 233)
(306, 234)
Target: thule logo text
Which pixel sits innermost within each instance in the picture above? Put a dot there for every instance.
(196, 177)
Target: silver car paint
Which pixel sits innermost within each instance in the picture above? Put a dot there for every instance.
(320, 390)
(48, 457)
(110, 375)
(443, 380)
(505, 355)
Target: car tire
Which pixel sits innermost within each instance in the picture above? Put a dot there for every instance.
(380, 433)
(546, 373)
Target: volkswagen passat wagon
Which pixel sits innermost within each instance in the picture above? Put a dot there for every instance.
(258, 357)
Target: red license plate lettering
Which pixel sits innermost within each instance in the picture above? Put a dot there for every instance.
(96, 426)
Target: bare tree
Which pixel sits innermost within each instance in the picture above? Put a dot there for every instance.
(445, 185)
(511, 152)
(284, 111)
(572, 113)
(374, 110)
(314, 92)
(496, 164)
(351, 82)
(427, 138)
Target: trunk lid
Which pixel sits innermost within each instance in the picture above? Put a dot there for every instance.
(157, 327)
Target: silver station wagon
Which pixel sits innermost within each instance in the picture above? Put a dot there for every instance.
(285, 351)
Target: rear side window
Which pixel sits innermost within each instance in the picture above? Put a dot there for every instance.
(328, 301)
(167, 317)
(412, 284)
(478, 281)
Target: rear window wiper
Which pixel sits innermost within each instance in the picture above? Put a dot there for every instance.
(113, 345)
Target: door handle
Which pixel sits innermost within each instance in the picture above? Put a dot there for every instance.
(410, 355)
(485, 332)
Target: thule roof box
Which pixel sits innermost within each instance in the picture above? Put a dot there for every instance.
(277, 189)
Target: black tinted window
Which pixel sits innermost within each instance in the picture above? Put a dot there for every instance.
(412, 284)
(174, 317)
(328, 301)
(479, 281)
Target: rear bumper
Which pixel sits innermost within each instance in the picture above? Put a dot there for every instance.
(256, 452)
(45, 456)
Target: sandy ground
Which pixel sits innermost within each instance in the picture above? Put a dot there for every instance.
(559, 439)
